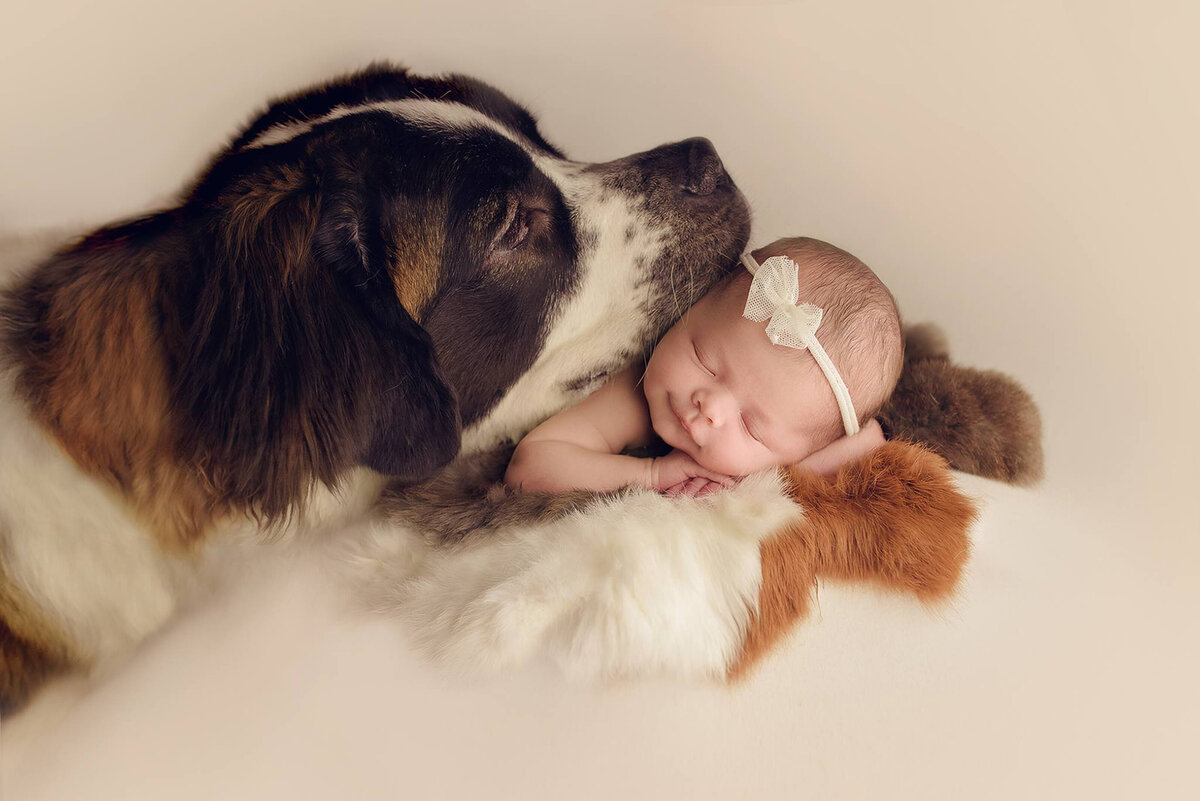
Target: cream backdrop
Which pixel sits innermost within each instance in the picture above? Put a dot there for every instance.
(1024, 173)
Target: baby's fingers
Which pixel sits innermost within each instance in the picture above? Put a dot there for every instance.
(720, 478)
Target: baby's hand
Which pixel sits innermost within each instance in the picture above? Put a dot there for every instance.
(694, 488)
(679, 474)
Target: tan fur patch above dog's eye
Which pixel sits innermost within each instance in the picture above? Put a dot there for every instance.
(417, 262)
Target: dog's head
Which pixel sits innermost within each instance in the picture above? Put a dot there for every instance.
(535, 276)
(374, 265)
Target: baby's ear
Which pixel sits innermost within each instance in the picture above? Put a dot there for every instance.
(981, 421)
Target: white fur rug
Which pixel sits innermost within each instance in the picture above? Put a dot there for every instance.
(633, 584)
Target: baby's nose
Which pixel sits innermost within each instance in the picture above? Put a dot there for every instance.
(714, 406)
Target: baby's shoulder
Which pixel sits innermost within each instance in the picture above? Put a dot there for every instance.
(623, 393)
(619, 410)
(612, 418)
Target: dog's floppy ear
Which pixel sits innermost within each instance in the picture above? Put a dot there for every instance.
(291, 357)
(412, 424)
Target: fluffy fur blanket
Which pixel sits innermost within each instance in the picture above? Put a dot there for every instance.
(635, 583)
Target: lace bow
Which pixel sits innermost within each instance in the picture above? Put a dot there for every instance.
(774, 294)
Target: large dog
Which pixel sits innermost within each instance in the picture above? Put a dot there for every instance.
(374, 274)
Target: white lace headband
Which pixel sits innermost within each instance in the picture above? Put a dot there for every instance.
(774, 295)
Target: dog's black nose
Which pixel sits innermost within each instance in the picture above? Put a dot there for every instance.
(705, 172)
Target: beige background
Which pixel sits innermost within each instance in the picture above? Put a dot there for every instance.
(1024, 173)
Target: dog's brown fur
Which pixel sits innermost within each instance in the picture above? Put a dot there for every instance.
(893, 518)
(30, 649)
(93, 376)
(24, 666)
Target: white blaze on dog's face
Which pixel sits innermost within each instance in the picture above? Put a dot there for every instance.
(648, 248)
(536, 276)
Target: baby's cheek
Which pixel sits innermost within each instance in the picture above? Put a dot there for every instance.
(752, 463)
(722, 462)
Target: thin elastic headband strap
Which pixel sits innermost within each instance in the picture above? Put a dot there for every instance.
(775, 296)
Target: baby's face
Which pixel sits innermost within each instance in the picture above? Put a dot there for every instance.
(721, 392)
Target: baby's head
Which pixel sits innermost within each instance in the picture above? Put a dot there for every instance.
(719, 390)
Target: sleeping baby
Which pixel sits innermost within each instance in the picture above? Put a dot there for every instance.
(778, 364)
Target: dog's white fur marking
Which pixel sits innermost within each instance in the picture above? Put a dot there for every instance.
(636, 584)
(603, 318)
(430, 114)
(70, 543)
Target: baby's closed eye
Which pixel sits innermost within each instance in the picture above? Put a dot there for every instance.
(700, 360)
(750, 431)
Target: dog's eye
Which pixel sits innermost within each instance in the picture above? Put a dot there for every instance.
(514, 228)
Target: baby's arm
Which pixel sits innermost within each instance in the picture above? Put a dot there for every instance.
(580, 447)
(829, 459)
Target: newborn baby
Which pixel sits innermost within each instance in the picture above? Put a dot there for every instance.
(777, 370)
